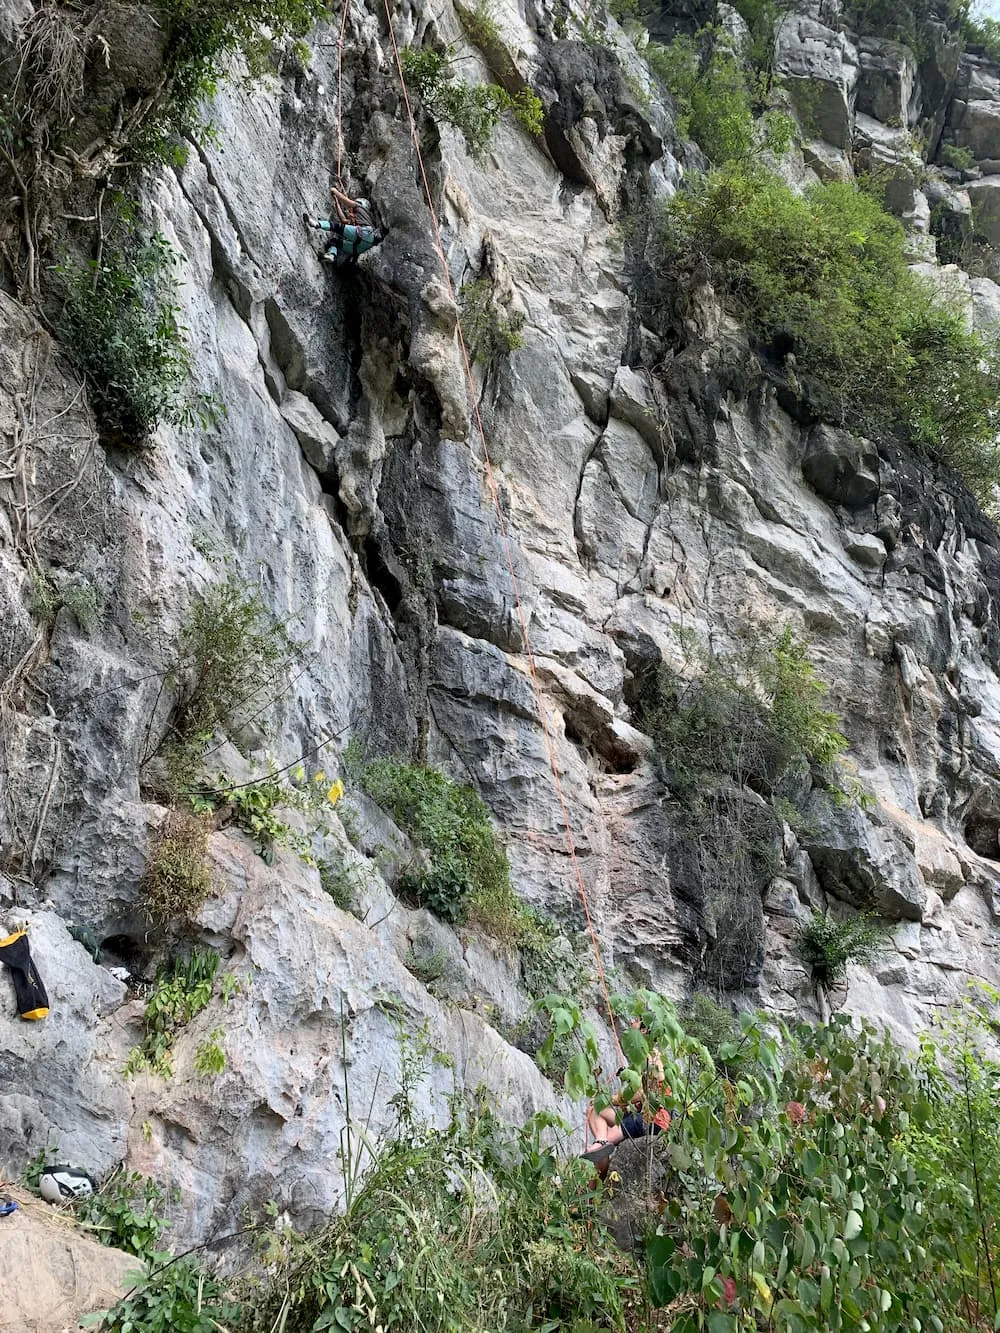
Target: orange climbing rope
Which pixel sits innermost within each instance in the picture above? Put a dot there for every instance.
(529, 654)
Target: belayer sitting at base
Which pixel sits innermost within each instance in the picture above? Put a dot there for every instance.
(605, 1128)
(352, 232)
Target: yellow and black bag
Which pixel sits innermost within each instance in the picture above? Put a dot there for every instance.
(32, 1001)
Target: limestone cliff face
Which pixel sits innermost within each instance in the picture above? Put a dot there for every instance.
(647, 486)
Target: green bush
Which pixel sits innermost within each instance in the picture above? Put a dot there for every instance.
(204, 37)
(716, 96)
(750, 715)
(827, 945)
(711, 98)
(818, 1180)
(982, 35)
(490, 333)
(827, 269)
(81, 598)
(832, 1182)
(118, 322)
(181, 991)
(959, 158)
(230, 661)
(475, 110)
(177, 878)
(474, 1227)
(126, 1213)
(465, 867)
(176, 1296)
(908, 21)
(339, 883)
(726, 733)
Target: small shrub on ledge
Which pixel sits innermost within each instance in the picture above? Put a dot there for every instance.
(826, 945)
(119, 324)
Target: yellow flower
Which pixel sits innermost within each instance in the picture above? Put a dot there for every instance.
(335, 792)
(320, 776)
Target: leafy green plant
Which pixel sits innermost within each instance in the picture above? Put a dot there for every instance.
(727, 730)
(417, 1248)
(913, 23)
(481, 25)
(46, 601)
(464, 867)
(118, 321)
(750, 715)
(126, 1213)
(205, 38)
(428, 967)
(808, 1174)
(231, 659)
(36, 1166)
(955, 1146)
(252, 806)
(715, 97)
(338, 883)
(176, 1296)
(711, 1023)
(490, 332)
(178, 877)
(982, 35)
(961, 159)
(181, 991)
(475, 110)
(827, 945)
(809, 1180)
(209, 1056)
(827, 269)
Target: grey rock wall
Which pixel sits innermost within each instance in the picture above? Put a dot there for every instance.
(644, 494)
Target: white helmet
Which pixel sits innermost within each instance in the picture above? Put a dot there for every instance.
(61, 1183)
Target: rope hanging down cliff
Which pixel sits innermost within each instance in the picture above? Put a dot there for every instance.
(494, 491)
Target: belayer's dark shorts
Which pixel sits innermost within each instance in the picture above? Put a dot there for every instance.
(634, 1127)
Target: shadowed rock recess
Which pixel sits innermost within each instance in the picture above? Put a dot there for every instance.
(662, 482)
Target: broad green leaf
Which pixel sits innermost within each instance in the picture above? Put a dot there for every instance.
(636, 1048)
(720, 1322)
(578, 1075)
(812, 1162)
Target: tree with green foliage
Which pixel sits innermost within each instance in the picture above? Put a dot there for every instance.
(203, 38)
(183, 988)
(982, 36)
(474, 109)
(175, 1296)
(463, 862)
(118, 320)
(718, 97)
(490, 332)
(226, 667)
(826, 945)
(811, 1180)
(749, 715)
(827, 269)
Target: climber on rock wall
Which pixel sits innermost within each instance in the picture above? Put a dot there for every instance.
(353, 231)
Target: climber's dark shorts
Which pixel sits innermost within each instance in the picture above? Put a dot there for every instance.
(634, 1127)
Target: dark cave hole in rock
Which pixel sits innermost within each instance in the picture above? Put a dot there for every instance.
(982, 833)
(380, 576)
(124, 951)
